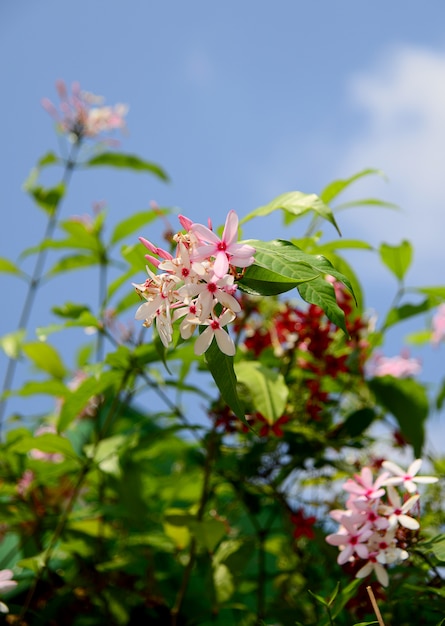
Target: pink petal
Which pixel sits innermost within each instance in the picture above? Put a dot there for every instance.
(230, 233)
(225, 342)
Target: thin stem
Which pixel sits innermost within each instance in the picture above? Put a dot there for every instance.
(102, 302)
(375, 606)
(211, 448)
(36, 278)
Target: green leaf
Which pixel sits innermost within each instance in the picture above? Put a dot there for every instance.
(73, 262)
(221, 368)
(397, 258)
(260, 281)
(319, 599)
(50, 158)
(366, 202)
(295, 204)
(134, 222)
(322, 294)
(356, 423)
(433, 292)
(407, 400)
(47, 198)
(126, 161)
(440, 397)
(224, 583)
(435, 545)
(8, 267)
(78, 399)
(11, 343)
(45, 357)
(267, 388)
(336, 187)
(397, 314)
(70, 310)
(43, 387)
(50, 443)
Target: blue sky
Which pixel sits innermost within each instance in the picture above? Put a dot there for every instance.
(239, 101)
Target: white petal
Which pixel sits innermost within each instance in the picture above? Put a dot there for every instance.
(225, 342)
(204, 340)
(408, 522)
(414, 467)
(392, 467)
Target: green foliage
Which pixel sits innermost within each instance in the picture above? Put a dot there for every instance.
(169, 489)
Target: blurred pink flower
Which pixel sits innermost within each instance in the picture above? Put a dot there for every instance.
(438, 325)
(401, 366)
(6, 584)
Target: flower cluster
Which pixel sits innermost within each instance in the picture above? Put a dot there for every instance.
(81, 115)
(6, 584)
(196, 286)
(378, 524)
(438, 332)
(400, 366)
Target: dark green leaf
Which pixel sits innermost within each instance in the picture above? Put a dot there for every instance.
(440, 397)
(260, 281)
(397, 258)
(221, 368)
(127, 161)
(45, 357)
(322, 294)
(356, 423)
(295, 204)
(407, 400)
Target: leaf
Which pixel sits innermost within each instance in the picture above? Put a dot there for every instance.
(223, 581)
(127, 161)
(44, 387)
(73, 262)
(356, 423)
(296, 204)
(47, 198)
(267, 388)
(49, 442)
(221, 368)
(407, 400)
(12, 343)
(434, 292)
(45, 357)
(435, 545)
(440, 397)
(50, 158)
(322, 294)
(367, 202)
(336, 187)
(70, 310)
(8, 267)
(397, 314)
(75, 402)
(259, 281)
(397, 258)
(134, 222)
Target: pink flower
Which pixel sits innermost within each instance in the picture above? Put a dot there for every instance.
(397, 366)
(407, 478)
(439, 325)
(6, 584)
(396, 511)
(225, 250)
(215, 329)
(350, 540)
(363, 486)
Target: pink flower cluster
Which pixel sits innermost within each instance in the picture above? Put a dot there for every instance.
(196, 286)
(6, 584)
(80, 114)
(376, 527)
(400, 366)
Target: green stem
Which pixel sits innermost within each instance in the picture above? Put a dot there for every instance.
(36, 279)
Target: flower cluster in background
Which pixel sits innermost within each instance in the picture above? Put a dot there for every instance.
(6, 584)
(196, 286)
(379, 523)
(82, 114)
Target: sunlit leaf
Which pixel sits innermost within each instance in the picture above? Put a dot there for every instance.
(134, 222)
(45, 357)
(47, 198)
(126, 161)
(12, 343)
(295, 204)
(8, 267)
(322, 294)
(267, 388)
(336, 187)
(397, 258)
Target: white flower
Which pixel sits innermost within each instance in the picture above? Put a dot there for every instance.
(6, 584)
(407, 478)
(397, 512)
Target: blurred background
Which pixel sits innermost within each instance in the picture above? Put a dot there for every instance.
(239, 102)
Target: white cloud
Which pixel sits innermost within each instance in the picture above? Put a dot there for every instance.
(402, 99)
